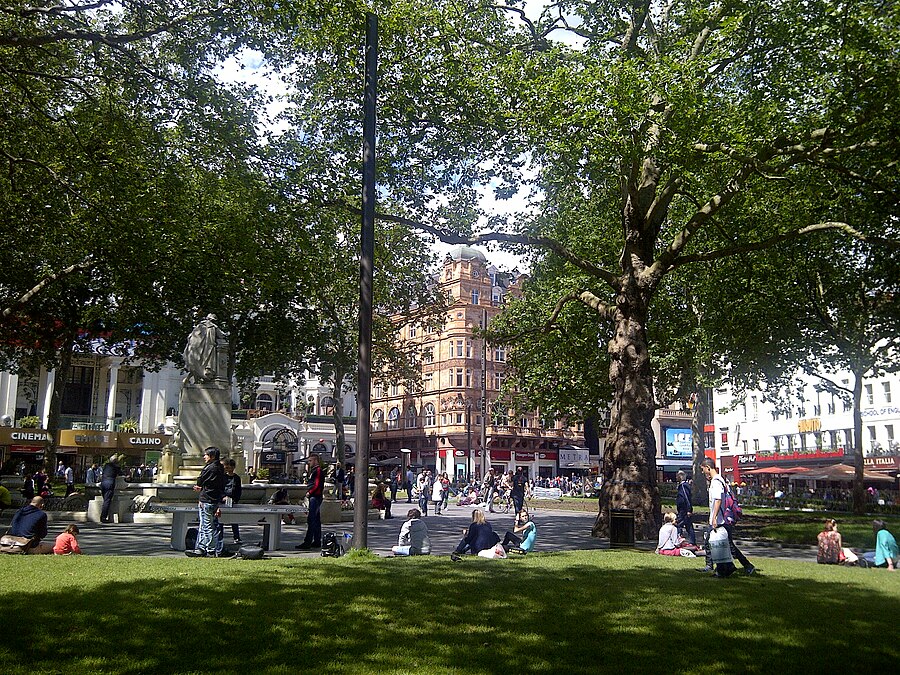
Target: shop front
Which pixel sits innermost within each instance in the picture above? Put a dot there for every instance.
(22, 448)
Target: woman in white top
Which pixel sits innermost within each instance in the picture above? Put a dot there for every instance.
(669, 540)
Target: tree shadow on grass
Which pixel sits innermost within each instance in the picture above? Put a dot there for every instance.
(583, 612)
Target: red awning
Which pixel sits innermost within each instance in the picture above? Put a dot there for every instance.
(775, 470)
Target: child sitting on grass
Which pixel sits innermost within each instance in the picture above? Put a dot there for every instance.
(66, 543)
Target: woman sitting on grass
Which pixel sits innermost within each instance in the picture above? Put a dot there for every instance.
(670, 543)
(480, 536)
(886, 552)
(512, 542)
(831, 546)
(413, 536)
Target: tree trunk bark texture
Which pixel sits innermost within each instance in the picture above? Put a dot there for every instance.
(629, 463)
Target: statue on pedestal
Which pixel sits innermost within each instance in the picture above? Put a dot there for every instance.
(206, 353)
(204, 415)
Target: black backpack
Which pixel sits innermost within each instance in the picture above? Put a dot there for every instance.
(331, 547)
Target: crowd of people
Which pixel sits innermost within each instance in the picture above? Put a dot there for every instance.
(218, 485)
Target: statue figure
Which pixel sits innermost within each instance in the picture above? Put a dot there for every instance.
(205, 346)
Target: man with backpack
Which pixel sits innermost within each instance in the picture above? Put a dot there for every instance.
(718, 517)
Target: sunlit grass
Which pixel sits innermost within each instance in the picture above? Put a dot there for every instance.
(582, 611)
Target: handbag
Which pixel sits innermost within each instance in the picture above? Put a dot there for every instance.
(15, 545)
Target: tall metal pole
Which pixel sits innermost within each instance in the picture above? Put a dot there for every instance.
(484, 405)
(366, 265)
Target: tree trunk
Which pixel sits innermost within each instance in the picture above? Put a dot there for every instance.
(859, 493)
(337, 414)
(60, 379)
(629, 464)
(699, 490)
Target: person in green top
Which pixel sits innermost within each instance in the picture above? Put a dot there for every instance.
(886, 553)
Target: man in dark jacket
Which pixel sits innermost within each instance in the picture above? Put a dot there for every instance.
(211, 486)
(685, 511)
(111, 471)
(315, 487)
(31, 522)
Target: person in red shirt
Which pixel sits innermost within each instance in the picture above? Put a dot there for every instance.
(66, 543)
(315, 487)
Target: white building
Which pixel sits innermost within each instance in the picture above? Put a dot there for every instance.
(109, 407)
(808, 427)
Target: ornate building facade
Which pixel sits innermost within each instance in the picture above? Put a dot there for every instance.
(440, 426)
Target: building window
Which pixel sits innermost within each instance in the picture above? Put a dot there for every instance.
(395, 390)
(847, 405)
(412, 331)
(475, 296)
(500, 354)
(870, 394)
(499, 379)
(459, 377)
(411, 417)
(379, 391)
(872, 436)
(755, 445)
(886, 386)
(429, 381)
(755, 408)
(428, 414)
(468, 377)
(378, 420)
(459, 418)
(468, 349)
(394, 418)
(459, 347)
(428, 355)
(523, 422)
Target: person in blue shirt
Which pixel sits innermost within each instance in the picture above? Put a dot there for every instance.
(31, 522)
(513, 543)
(886, 553)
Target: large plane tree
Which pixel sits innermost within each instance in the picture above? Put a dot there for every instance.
(655, 136)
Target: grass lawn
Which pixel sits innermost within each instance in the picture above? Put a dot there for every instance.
(578, 612)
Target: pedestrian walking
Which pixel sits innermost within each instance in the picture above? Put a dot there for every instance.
(717, 490)
(684, 509)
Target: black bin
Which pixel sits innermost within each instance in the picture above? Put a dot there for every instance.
(621, 528)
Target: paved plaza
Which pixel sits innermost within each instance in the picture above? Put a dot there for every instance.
(557, 531)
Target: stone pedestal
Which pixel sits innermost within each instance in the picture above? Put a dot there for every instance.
(330, 511)
(204, 419)
(169, 465)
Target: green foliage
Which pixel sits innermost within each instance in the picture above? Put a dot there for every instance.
(29, 422)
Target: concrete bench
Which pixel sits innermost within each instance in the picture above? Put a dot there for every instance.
(268, 516)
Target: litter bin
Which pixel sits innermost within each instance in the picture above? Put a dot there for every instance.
(621, 528)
